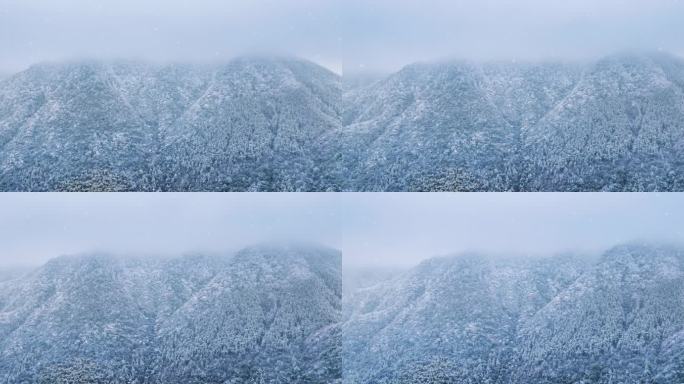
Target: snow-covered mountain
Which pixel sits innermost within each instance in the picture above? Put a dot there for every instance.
(271, 124)
(275, 314)
(614, 124)
(250, 124)
(564, 319)
(268, 314)
(621, 322)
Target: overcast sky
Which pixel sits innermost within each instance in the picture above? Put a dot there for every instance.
(166, 30)
(371, 229)
(359, 35)
(386, 34)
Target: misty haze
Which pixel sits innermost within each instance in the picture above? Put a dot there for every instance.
(332, 96)
(325, 288)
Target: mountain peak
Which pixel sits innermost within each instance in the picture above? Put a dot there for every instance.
(175, 320)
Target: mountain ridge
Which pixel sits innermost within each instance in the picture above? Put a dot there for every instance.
(524, 102)
(137, 125)
(284, 124)
(193, 319)
(549, 320)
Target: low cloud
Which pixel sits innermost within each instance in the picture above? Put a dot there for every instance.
(207, 30)
(370, 229)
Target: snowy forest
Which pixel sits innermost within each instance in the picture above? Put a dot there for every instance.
(613, 318)
(286, 124)
(280, 314)
(266, 314)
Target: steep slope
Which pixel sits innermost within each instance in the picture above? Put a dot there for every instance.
(267, 124)
(426, 124)
(275, 309)
(456, 315)
(525, 92)
(557, 320)
(255, 128)
(620, 322)
(622, 128)
(445, 126)
(615, 124)
(60, 123)
(268, 313)
(95, 310)
(250, 124)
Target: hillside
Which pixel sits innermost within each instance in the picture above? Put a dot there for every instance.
(616, 124)
(266, 314)
(249, 124)
(564, 319)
